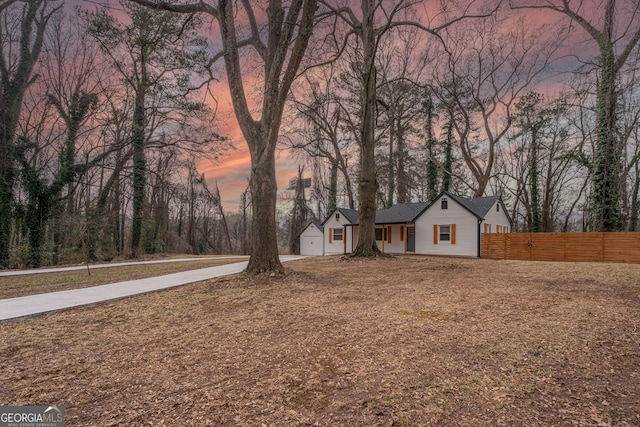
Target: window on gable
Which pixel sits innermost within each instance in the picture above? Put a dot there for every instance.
(337, 216)
(497, 207)
(444, 204)
(337, 234)
(445, 233)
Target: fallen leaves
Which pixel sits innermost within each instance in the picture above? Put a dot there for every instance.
(394, 341)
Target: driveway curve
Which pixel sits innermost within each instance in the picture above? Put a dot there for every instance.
(115, 264)
(27, 306)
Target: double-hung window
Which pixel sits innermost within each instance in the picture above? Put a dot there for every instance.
(445, 233)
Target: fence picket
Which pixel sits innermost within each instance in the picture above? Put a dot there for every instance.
(580, 247)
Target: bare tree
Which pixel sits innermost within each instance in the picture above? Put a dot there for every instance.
(280, 48)
(299, 214)
(151, 54)
(321, 135)
(615, 28)
(370, 24)
(484, 71)
(629, 134)
(400, 99)
(245, 233)
(541, 164)
(6, 3)
(216, 200)
(21, 40)
(368, 33)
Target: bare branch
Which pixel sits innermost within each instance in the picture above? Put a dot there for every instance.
(201, 7)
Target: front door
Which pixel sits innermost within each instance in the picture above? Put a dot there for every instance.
(411, 239)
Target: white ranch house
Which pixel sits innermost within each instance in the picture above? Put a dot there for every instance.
(449, 225)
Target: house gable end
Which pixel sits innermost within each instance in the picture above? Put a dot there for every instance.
(312, 229)
(505, 212)
(349, 214)
(459, 200)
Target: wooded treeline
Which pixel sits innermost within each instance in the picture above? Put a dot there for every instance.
(545, 115)
(105, 113)
(103, 120)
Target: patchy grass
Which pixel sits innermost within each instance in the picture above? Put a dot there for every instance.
(401, 341)
(31, 284)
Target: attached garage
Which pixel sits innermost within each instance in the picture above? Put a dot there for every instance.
(311, 240)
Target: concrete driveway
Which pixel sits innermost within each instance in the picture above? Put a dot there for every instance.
(115, 264)
(16, 308)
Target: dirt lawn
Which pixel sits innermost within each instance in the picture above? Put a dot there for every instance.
(405, 341)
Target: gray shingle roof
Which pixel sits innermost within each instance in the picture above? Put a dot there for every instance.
(316, 223)
(478, 206)
(351, 214)
(409, 212)
(396, 214)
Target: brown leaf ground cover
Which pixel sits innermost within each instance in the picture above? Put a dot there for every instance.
(401, 341)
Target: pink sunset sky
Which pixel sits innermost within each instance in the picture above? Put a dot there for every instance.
(231, 172)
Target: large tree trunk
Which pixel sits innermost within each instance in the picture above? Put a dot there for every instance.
(264, 248)
(536, 219)
(139, 170)
(287, 36)
(262, 135)
(15, 82)
(403, 178)
(7, 177)
(606, 212)
(432, 167)
(391, 172)
(333, 187)
(368, 184)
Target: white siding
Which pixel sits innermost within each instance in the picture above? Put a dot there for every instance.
(466, 234)
(331, 245)
(311, 241)
(396, 246)
(496, 218)
(352, 238)
(465, 222)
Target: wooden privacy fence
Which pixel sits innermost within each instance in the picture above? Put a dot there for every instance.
(599, 247)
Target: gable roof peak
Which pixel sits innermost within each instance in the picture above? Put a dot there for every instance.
(350, 214)
(478, 206)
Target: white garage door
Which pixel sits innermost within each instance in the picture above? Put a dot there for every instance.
(310, 245)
